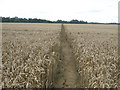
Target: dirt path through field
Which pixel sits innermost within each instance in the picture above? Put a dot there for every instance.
(67, 76)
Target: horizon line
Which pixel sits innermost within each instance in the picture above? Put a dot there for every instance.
(56, 20)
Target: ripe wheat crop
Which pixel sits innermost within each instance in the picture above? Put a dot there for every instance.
(96, 52)
(29, 55)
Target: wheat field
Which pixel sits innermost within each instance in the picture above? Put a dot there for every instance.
(28, 54)
(96, 52)
(31, 53)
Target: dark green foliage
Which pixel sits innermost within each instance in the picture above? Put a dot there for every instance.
(35, 20)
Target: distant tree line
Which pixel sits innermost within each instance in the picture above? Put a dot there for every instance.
(35, 20)
(101, 23)
(24, 20)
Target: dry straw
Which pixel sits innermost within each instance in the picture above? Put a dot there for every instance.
(28, 59)
(97, 57)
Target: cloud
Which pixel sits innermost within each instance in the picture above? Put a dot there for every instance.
(89, 10)
(95, 11)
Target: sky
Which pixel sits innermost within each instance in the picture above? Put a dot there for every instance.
(87, 10)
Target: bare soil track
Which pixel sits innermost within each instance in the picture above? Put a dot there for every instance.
(67, 76)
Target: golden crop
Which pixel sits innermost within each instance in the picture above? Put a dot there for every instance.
(31, 53)
(28, 56)
(96, 53)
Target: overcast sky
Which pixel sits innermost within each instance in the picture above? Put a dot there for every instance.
(87, 10)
